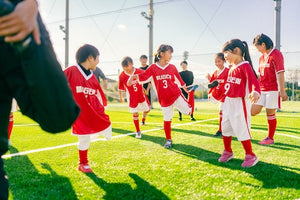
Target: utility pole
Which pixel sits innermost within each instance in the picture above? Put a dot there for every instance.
(150, 26)
(277, 28)
(67, 35)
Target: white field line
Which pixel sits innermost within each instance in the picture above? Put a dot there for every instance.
(127, 134)
(95, 140)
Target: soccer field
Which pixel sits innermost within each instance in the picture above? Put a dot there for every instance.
(40, 165)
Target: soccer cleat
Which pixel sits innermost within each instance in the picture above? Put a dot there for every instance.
(193, 119)
(250, 161)
(143, 123)
(180, 119)
(266, 141)
(218, 133)
(226, 156)
(138, 135)
(85, 168)
(213, 84)
(168, 144)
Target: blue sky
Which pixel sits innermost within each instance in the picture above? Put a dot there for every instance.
(200, 27)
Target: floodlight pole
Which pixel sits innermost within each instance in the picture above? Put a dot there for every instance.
(151, 12)
(67, 35)
(277, 17)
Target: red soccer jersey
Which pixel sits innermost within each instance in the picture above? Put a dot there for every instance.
(134, 93)
(166, 82)
(269, 66)
(218, 92)
(89, 96)
(241, 81)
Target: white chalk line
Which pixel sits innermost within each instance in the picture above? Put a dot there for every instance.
(127, 134)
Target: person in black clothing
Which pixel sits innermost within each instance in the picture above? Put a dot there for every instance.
(146, 86)
(188, 77)
(30, 73)
(99, 74)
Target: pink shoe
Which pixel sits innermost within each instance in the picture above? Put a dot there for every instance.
(250, 161)
(266, 141)
(226, 156)
(85, 168)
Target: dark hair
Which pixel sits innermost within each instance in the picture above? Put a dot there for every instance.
(262, 38)
(184, 62)
(143, 57)
(220, 55)
(85, 51)
(162, 48)
(125, 61)
(243, 46)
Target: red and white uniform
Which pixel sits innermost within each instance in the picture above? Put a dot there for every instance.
(134, 93)
(166, 82)
(269, 67)
(217, 93)
(236, 111)
(89, 95)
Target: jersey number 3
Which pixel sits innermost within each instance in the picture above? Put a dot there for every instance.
(165, 84)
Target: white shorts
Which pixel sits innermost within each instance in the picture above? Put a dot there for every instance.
(270, 99)
(141, 107)
(236, 119)
(14, 106)
(180, 104)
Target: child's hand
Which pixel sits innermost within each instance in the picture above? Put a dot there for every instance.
(253, 96)
(208, 76)
(130, 80)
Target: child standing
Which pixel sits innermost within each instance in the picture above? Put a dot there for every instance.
(135, 96)
(216, 94)
(166, 83)
(241, 89)
(146, 86)
(89, 95)
(271, 80)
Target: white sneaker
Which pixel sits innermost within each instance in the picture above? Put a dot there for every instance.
(138, 135)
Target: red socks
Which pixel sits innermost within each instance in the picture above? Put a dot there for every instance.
(248, 147)
(220, 127)
(191, 100)
(136, 122)
(167, 128)
(143, 119)
(10, 125)
(227, 143)
(272, 122)
(83, 158)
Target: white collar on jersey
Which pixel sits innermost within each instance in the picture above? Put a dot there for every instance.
(241, 63)
(83, 74)
(218, 73)
(161, 66)
(132, 72)
(266, 56)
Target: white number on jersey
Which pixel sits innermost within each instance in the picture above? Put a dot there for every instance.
(165, 84)
(226, 87)
(135, 88)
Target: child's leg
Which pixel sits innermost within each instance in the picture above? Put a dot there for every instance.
(167, 128)
(10, 124)
(220, 121)
(272, 122)
(144, 116)
(168, 114)
(227, 143)
(135, 118)
(248, 147)
(83, 145)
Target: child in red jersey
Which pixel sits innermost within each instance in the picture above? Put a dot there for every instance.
(135, 96)
(271, 81)
(89, 95)
(241, 89)
(216, 94)
(166, 81)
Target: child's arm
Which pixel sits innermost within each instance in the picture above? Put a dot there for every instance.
(282, 92)
(121, 96)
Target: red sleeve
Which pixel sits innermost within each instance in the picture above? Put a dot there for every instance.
(121, 83)
(278, 62)
(178, 77)
(145, 75)
(253, 84)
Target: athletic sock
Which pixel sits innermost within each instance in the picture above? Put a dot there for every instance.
(136, 122)
(83, 157)
(248, 147)
(220, 121)
(167, 128)
(10, 125)
(272, 122)
(227, 143)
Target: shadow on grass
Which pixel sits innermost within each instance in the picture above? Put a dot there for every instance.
(272, 176)
(282, 129)
(282, 146)
(124, 190)
(121, 131)
(26, 182)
